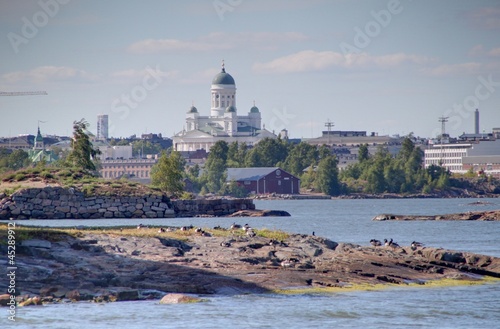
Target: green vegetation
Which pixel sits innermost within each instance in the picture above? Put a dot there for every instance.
(13, 160)
(167, 174)
(82, 154)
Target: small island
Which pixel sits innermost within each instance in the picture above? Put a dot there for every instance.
(124, 263)
(491, 215)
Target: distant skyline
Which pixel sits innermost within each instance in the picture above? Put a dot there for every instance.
(389, 66)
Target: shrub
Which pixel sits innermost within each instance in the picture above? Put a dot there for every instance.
(19, 177)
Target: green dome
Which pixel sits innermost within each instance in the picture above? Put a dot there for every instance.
(231, 109)
(223, 78)
(254, 109)
(193, 110)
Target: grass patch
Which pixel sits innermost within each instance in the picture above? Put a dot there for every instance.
(26, 233)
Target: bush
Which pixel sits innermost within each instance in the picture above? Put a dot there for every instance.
(46, 175)
(19, 177)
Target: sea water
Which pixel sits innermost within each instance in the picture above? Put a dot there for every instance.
(350, 221)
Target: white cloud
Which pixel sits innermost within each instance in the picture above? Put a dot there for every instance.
(454, 69)
(50, 73)
(215, 41)
(495, 52)
(167, 45)
(133, 75)
(487, 18)
(310, 60)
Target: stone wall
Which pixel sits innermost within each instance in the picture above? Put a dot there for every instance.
(68, 203)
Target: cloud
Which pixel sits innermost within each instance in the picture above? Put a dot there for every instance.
(215, 41)
(149, 46)
(487, 18)
(479, 51)
(134, 75)
(310, 60)
(454, 69)
(50, 73)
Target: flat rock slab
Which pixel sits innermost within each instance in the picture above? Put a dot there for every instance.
(106, 266)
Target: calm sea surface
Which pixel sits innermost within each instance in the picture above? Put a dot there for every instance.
(339, 220)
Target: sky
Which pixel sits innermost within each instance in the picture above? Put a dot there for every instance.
(389, 66)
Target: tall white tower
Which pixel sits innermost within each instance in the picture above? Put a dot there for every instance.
(102, 127)
(223, 93)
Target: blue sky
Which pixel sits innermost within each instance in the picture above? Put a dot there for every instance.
(391, 67)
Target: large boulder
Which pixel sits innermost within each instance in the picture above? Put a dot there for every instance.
(179, 299)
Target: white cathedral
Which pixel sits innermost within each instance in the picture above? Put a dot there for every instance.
(223, 123)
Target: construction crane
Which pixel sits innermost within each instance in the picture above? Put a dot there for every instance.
(22, 93)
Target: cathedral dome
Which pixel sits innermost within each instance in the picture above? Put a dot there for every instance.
(231, 109)
(223, 78)
(193, 110)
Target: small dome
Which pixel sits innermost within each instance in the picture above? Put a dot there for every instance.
(231, 109)
(254, 109)
(193, 110)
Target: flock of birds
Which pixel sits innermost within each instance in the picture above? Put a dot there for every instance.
(249, 231)
(392, 244)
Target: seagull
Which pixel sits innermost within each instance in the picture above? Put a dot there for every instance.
(376, 243)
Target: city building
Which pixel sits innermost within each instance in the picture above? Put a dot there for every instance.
(483, 156)
(351, 138)
(223, 123)
(102, 127)
(264, 180)
(138, 169)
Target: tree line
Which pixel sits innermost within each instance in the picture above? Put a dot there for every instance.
(317, 168)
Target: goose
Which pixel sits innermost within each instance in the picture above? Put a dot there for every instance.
(235, 226)
(251, 233)
(415, 245)
(140, 226)
(375, 243)
(225, 244)
(287, 263)
(161, 230)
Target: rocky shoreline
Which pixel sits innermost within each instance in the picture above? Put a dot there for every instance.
(492, 215)
(120, 264)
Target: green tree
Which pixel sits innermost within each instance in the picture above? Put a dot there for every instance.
(327, 176)
(82, 155)
(236, 154)
(143, 147)
(18, 159)
(269, 152)
(363, 154)
(214, 175)
(300, 157)
(167, 173)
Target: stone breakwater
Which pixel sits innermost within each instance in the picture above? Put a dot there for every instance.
(69, 203)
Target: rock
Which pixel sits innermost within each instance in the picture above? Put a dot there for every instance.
(31, 301)
(35, 243)
(73, 295)
(127, 295)
(5, 299)
(179, 299)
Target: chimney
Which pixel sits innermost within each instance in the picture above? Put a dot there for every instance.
(476, 122)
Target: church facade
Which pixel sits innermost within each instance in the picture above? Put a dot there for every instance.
(223, 123)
